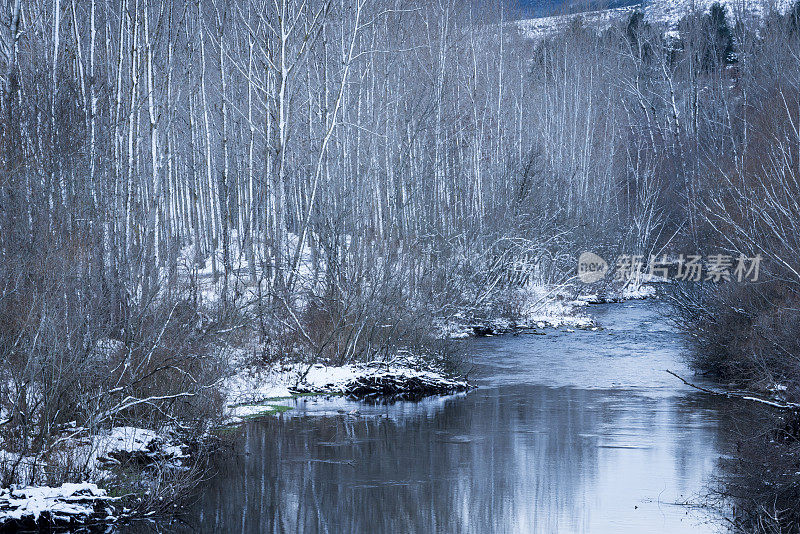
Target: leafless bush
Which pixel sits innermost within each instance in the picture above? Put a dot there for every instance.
(362, 312)
(744, 332)
(66, 364)
(760, 479)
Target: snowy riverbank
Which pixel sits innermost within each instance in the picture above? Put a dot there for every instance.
(542, 307)
(97, 458)
(258, 390)
(45, 508)
(94, 457)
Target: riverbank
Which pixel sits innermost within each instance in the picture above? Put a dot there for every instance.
(103, 460)
(745, 337)
(255, 390)
(565, 425)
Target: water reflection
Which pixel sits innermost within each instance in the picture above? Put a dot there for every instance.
(508, 457)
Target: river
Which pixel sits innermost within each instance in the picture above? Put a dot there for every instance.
(569, 432)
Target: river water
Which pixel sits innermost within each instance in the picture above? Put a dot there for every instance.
(568, 432)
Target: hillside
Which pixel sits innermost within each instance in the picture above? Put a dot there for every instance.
(660, 12)
(669, 12)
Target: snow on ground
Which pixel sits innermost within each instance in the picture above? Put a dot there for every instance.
(546, 307)
(93, 455)
(74, 504)
(631, 292)
(543, 306)
(376, 379)
(663, 12)
(670, 12)
(641, 292)
(540, 28)
(256, 384)
(126, 443)
(200, 271)
(241, 284)
(67, 505)
(96, 453)
(535, 306)
(250, 391)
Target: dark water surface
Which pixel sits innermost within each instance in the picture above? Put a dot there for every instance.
(571, 432)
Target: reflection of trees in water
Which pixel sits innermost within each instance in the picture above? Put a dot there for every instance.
(523, 458)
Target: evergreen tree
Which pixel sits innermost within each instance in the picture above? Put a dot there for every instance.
(635, 31)
(794, 19)
(720, 49)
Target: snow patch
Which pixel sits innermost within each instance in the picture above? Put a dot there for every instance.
(249, 392)
(543, 27)
(369, 381)
(67, 505)
(131, 444)
(535, 306)
(668, 13)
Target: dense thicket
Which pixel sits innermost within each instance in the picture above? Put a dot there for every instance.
(747, 333)
(417, 134)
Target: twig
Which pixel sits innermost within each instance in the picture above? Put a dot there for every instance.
(729, 395)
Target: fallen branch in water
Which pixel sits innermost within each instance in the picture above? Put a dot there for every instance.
(729, 395)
